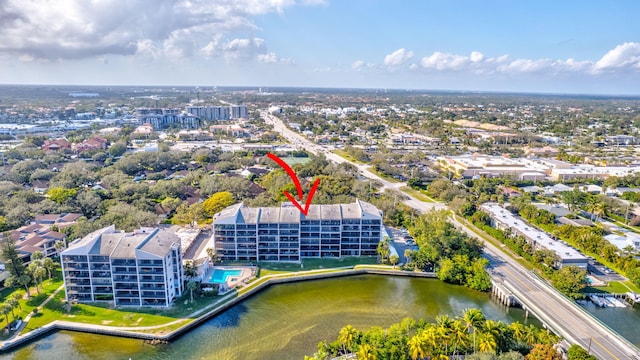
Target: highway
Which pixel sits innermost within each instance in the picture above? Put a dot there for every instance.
(560, 314)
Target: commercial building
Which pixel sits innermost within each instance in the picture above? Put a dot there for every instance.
(529, 168)
(141, 268)
(503, 219)
(285, 234)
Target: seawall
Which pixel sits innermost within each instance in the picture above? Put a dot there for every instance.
(262, 283)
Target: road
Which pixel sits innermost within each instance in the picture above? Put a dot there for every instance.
(565, 317)
(302, 142)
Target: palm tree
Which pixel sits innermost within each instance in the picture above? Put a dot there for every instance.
(486, 342)
(407, 254)
(473, 320)
(366, 352)
(192, 285)
(59, 245)
(518, 330)
(529, 335)
(37, 272)
(25, 280)
(459, 335)
(346, 336)
(417, 346)
(5, 309)
(16, 296)
(49, 265)
(212, 255)
(14, 303)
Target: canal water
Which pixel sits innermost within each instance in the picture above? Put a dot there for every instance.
(285, 321)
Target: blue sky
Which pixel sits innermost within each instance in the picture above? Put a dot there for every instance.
(524, 46)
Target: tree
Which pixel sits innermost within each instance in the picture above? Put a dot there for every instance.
(38, 272)
(543, 352)
(186, 214)
(487, 342)
(417, 346)
(49, 265)
(216, 202)
(366, 352)
(393, 259)
(408, 253)
(25, 280)
(5, 309)
(10, 256)
(211, 253)
(88, 201)
(576, 352)
(570, 280)
(61, 195)
(16, 297)
(58, 245)
(190, 272)
(383, 250)
(346, 336)
(192, 285)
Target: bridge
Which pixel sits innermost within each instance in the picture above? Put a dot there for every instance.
(515, 285)
(513, 282)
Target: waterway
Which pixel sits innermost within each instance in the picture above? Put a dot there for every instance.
(285, 321)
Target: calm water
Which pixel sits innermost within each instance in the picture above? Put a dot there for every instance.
(285, 321)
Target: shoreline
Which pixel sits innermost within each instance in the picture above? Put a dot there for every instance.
(255, 288)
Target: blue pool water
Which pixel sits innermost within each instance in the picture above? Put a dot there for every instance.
(220, 276)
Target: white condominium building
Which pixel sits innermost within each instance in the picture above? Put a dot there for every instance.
(285, 234)
(141, 268)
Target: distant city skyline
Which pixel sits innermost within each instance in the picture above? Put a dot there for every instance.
(587, 47)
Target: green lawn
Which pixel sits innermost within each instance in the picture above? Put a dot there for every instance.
(346, 155)
(102, 314)
(416, 194)
(270, 268)
(27, 305)
(614, 287)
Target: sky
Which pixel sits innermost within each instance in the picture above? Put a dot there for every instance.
(577, 47)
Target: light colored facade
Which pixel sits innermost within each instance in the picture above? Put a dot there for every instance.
(485, 165)
(529, 168)
(503, 219)
(219, 112)
(285, 234)
(141, 268)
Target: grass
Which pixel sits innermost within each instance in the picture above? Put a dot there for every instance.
(416, 194)
(346, 155)
(614, 287)
(102, 314)
(274, 268)
(27, 305)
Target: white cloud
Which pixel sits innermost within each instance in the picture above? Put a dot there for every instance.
(74, 29)
(445, 61)
(626, 55)
(272, 58)
(476, 56)
(358, 65)
(398, 57)
(243, 49)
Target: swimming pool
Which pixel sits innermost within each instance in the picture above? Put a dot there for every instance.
(220, 276)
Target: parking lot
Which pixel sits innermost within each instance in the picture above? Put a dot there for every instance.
(401, 241)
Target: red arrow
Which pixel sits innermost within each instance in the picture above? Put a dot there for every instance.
(296, 182)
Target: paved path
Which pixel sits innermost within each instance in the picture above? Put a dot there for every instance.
(39, 307)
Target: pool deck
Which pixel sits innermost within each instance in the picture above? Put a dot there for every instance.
(247, 273)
